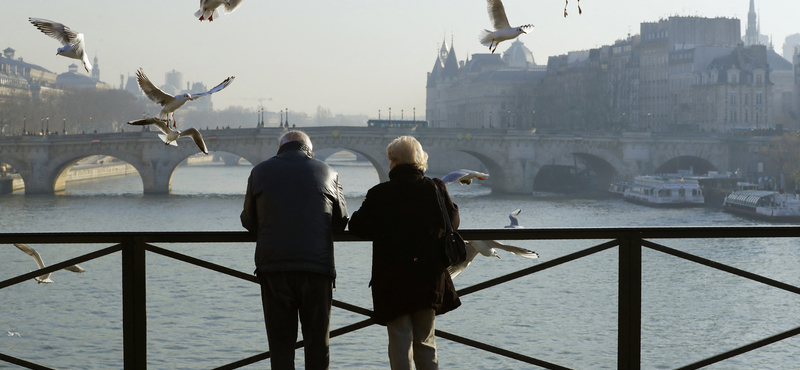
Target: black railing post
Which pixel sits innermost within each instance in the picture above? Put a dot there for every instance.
(629, 344)
(134, 314)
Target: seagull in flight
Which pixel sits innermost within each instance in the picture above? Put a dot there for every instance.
(208, 8)
(169, 135)
(171, 103)
(513, 217)
(44, 279)
(464, 177)
(487, 248)
(12, 333)
(502, 30)
(74, 47)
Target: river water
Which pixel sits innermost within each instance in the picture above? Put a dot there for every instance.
(566, 315)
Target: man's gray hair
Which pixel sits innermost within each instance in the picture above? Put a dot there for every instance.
(295, 135)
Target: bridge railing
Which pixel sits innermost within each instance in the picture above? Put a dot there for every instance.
(630, 242)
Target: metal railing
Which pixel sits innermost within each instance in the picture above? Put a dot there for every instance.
(631, 241)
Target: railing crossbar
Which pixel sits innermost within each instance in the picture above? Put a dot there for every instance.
(498, 351)
(60, 265)
(743, 349)
(539, 267)
(201, 263)
(721, 267)
(23, 363)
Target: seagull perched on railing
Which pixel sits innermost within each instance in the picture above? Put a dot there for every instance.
(74, 47)
(513, 217)
(464, 177)
(169, 135)
(488, 249)
(502, 30)
(44, 279)
(171, 103)
(208, 8)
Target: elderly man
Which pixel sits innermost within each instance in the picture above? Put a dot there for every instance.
(294, 203)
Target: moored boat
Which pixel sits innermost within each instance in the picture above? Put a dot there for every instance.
(776, 206)
(618, 188)
(663, 191)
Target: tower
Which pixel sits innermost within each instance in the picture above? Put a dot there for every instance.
(752, 31)
(96, 70)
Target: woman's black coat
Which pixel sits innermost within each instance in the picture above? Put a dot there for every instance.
(404, 219)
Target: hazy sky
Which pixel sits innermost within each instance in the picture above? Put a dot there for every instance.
(352, 57)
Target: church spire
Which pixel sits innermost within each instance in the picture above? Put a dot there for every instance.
(752, 31)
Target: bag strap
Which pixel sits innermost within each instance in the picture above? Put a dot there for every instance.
(444, 208)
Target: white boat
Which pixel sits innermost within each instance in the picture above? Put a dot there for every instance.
(764, 204)
(664, 191)
(618, 188)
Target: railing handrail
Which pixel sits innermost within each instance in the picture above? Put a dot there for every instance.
(689, 232)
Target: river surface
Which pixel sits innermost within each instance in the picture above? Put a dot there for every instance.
(198, 319)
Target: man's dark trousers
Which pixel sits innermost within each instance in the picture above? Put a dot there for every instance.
(287, 296)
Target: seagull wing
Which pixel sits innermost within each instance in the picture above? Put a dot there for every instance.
(75, 268)
(513, 217)
(161, 124)
(497, 14)
(219, 87)
(231, 5)
(151, 91)
(459, 268)
(453, 176)
(197, 137)
(31, 252)
(56, 30)
(522, 252)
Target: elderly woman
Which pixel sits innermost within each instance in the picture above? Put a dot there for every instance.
(410, 283)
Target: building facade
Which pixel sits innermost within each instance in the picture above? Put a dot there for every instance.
(485, 91)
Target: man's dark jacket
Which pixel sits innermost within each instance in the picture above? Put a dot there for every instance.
(294, 203)
(403, 217)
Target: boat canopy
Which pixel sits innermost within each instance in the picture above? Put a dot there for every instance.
(750, 198)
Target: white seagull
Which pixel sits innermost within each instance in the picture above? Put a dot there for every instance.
(171, 103)
(487, 248)
(74, 47)
(44, 279)
(464, 177)
(208, 8)
(12, 333)
(513, 217)
(169, 135)
(502, 30)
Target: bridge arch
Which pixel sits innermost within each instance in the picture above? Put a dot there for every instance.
(60, 165)
(20, 166)
(577, 170)
(377, 162)
(699, 166)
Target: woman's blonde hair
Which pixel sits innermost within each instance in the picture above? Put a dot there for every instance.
(407, 150)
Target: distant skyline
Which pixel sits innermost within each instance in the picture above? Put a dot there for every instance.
(352, 57)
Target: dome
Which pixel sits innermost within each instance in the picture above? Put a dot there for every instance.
(518, 56)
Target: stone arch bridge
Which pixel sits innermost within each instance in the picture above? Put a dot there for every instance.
(513, 158)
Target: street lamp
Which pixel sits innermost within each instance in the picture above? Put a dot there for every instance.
(24, 130)
(48, 125)
(65, 126)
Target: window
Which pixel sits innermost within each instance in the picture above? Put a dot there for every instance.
(759, 79)
(759, 98)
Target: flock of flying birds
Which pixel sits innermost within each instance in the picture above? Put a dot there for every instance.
(74, 47)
